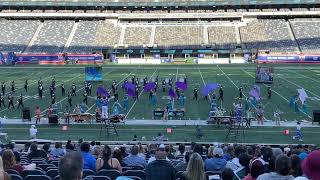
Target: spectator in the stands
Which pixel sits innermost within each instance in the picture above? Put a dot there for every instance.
(71, 166)
(217, 163)
(151, 150)
(35, 152)
(9, 161)
(181, 150)
(295, 166)
(210, 152)
(182, 166)
(169, 152)
(46, 148)
(133, 159)
(141, 151)
(153, 157)
(57, 151)
(244, 160)
(124, 151)
(69, 146)
(198, 149)
(160, 169)
(267, 159)
(77, 147)
(3, 174)
(227, 174)
(118, 155)
(195, 169)
(92, 146)
(311, 165)
(107, 162)
(282, 170)
(11, 146)
(234, 162)
(97, 153)
(229, 153)
(89, 162)
(256, 169)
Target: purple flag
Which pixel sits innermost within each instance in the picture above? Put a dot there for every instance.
(181, 85)
(149, 86)
(131, 92)
(128, 85)
(255, 92)
(102, 91)
(209, 88)
(172, 94)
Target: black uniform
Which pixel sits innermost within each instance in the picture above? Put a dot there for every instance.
(85, 98)
(137, 93)
(195, 93)
(10, 99)
(177, 93)
(53, 98)
(89, 88)
(53, 83)
(240, 92)
(20, 101)
(116, 96)
(73, 89)
(40, 91)
(2, 101)
(12, 86)
(3, 88)
(269, 93)
(164, 85)
(63, 90)
(70, 99)
(52, 91)
(26, 85)
(220, 94)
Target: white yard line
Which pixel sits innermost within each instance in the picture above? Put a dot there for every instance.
(176, 81)
(110, 89)
(204, 83)
(275, 92)
(305, 76)
(138, 97)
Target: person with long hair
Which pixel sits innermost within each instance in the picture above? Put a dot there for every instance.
(296, 170)
(195, 168)
(256, 168)
(9, 161)
(117, 153)
(107, 162)
(3, 174)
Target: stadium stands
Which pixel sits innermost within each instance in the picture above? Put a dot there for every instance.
(223, 37)
(107, 35)
(137, 36)
(52, 37)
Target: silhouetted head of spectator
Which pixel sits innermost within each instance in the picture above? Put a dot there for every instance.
(85, 147)
(295, 166)
(134, 150)
(227, 174)
(33, 147)
(256, 168)
(70, 166)
(283, 165)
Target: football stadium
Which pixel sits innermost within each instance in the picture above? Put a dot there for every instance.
(159, 90)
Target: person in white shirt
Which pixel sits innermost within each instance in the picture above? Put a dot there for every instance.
(33, 132)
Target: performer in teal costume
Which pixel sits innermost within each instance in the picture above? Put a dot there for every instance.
(125, 102)
(154, 99)
(292, 100)
(182, 99)
(116, 108)
(305, 107)
(170, 106)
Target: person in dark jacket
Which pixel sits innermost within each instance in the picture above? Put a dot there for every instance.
(160, 169)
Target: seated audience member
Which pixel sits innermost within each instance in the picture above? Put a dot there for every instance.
(244, 160)
(195, 169)
(57, 151)
(153, 157)
(71, 166)
(78, 145)
(160, 169)
(35, 152)
(9, 161)
(46, 148)
(151, 150)
(118, 155)
(217, 163)
(141, 151)
(210, 152)
(256, 169)
(311, 165)
(229, 153)
(133, 159)
(295, 166)
(181, 150)
(234, 162)
(182, 166)
(11, 146)
(282, 170)
(89, 162)
(3, 174)
(92, 146)
(169, 152)
(33, 132)
(227, 174)
(69, 146)
(124, 151)
(97, 153)
(198, 149)
(107, 162)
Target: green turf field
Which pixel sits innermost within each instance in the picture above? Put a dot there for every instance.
(272, 135)
(287, 79)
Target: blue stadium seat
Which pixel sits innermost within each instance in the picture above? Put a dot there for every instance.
(113, 174)
(15, 177)
(37, 177)
(25, 173)
(53, 173)
(97, 178)
(12, 171)
(44, 166)
(138, 173)
(87, 172)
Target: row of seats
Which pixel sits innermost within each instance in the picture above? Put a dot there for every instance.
(52, 37)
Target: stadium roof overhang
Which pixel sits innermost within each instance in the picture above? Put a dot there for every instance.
(153, 3)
